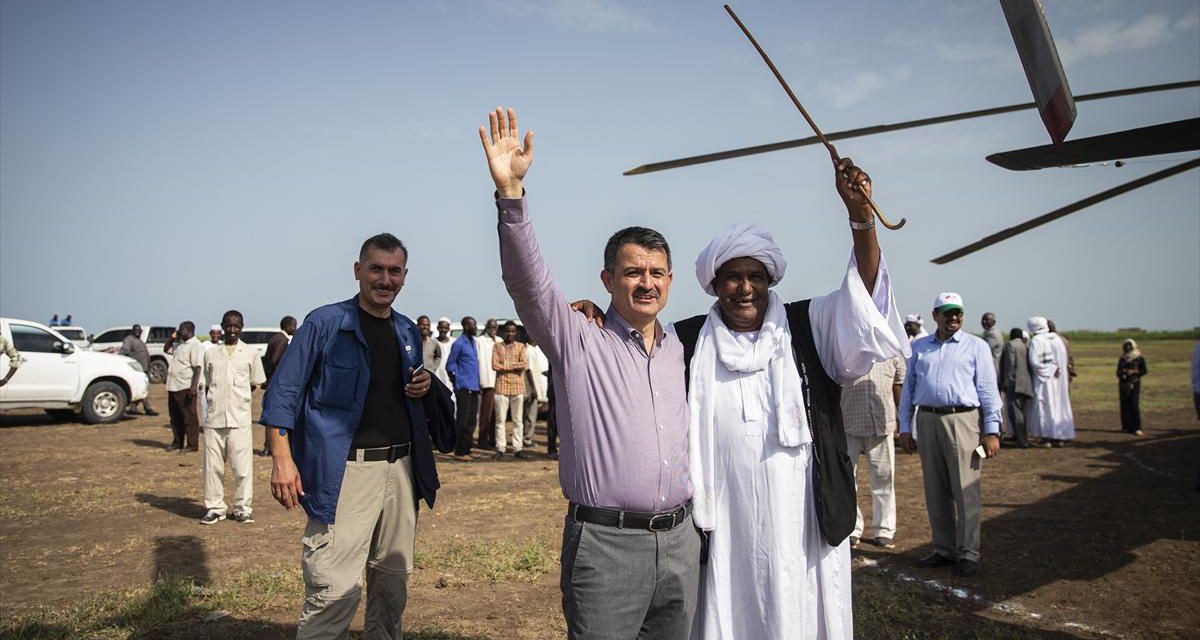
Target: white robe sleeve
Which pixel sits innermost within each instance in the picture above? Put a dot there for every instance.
(854, 329)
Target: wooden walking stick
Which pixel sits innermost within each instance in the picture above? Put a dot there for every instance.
(833, 154)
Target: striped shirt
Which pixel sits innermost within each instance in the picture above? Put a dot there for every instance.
(868, 404)
(509, 362)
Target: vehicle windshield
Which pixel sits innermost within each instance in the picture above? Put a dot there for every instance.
(72, 334)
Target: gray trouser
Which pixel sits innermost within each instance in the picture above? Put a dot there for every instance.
(620, 584)
(1015, 404)
(952, 478)
(375, 526)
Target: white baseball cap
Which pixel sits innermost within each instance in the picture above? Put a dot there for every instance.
(947, 300)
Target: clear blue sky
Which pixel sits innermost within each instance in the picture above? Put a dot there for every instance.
(167, 161)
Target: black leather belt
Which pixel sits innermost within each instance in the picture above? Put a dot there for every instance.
(944, 410)
(391, 454)
(660, 521)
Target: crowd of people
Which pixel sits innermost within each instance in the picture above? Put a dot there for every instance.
(494, 376)
(709, 463)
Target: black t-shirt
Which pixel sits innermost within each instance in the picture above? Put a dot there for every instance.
(384, 419)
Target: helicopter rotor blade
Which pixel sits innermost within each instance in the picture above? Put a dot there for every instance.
(1063, 211)
(885, 128)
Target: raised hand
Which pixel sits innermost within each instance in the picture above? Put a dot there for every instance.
(847, 177)
(508, 159)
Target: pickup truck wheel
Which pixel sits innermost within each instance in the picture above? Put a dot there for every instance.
(61, 414)
(158, 371)
(103, 402)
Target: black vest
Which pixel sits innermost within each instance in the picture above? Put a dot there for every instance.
(832, 473)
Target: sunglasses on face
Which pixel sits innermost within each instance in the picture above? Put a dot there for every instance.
(950, 313)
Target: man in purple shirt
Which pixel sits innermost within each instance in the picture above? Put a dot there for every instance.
(630, 556)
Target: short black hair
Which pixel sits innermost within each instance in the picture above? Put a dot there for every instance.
(384, 242)
(286, 322)
(648, 239)
(232, 312)
(1015, 334)
(465, 318)
(510, 323)
(189, 325)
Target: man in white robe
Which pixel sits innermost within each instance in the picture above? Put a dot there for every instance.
(770, 574)
(1050, 415)
(914, 327)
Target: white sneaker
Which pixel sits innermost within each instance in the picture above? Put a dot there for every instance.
(212, 517)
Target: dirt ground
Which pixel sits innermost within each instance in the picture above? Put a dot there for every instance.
(1096, 540)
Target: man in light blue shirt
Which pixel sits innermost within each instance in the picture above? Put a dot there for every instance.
(950, 389)
(463, 368)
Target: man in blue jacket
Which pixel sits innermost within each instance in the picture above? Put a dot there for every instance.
(463, 367)
(352, 428)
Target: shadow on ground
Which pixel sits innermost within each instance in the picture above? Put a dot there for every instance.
(1144, 509)
(180, 506)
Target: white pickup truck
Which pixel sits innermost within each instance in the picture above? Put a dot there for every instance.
(109, 341)
(63, 380)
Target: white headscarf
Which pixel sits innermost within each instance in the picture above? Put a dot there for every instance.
(1038, 324)
(740, 241)
(717, 347)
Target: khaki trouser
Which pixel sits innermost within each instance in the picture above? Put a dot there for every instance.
(503, 404)
(881, 459)
(236, 445)
(375, 526)
(952, 476)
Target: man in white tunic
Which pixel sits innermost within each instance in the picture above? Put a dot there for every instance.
(1050, 415)
(232, 369)
(771, 573)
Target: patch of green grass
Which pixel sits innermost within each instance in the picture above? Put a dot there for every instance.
(500, 561)
(1088, 335)
(1166, 387)
(139, 612)
(130, 614)
(153, 611)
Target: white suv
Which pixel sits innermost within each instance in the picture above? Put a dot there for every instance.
(109, 341)
(64, 380)
(258, 337)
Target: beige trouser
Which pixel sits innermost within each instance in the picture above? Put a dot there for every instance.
(503, 404)
(881, 458)
(952, 476)
(236, 445)
(375, 526)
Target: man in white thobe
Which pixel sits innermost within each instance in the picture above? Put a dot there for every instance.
(1050, 415)
(535, 385)
(770, 574)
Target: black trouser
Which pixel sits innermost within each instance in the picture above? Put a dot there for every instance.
(185, 424)
(1131, 412)
(551, 428)
(466, 407)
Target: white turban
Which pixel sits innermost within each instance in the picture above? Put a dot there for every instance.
(1038, 324)
(740, 241)
(912, 317)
